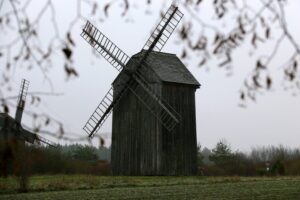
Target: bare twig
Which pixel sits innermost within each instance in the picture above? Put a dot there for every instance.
(32, 94)
(26, 44)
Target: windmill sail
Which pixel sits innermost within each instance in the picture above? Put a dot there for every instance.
(41, 139)
(21, 100)
(135, 81)
(100, 114)
(114, 55)
(164, 29)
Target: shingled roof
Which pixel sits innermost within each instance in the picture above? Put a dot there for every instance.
(169, 68)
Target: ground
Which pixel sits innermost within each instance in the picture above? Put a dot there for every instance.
(106, 187)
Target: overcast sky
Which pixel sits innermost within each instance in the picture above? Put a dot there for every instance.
(272, 120)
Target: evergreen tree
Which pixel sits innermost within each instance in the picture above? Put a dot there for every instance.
(221, 154)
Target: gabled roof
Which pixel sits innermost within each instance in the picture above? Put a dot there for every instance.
(169, 68)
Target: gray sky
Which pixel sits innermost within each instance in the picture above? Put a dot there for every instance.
(272, 120)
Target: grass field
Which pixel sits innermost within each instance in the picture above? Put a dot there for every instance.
(96, 187)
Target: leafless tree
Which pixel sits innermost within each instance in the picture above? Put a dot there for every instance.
(201, 40)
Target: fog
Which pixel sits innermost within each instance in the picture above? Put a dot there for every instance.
(273, 119)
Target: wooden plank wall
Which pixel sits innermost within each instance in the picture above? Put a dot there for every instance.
(180, 146)
(135, 136)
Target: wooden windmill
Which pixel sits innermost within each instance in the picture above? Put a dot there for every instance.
(153, 104)
(11, 128)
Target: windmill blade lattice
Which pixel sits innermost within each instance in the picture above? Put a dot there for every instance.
(166, 115)
(21, 100)
(164, 29)
(114, 55)
(163, 112)
(46, 141)
(23, 93)
(100, 114)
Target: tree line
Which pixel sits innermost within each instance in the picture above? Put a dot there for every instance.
(260, 161)
(219, 161)
(67, 159)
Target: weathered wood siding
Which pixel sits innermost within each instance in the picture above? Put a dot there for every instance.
(179, 153)
(135, 135)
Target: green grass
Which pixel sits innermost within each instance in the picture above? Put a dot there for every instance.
(96, 187)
